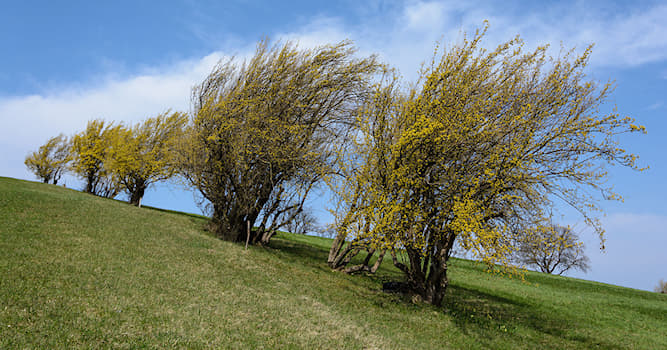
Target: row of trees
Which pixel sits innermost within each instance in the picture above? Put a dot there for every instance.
(111, 158)
(474, 153)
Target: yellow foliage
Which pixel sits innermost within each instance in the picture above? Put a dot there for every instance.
(144, 154)
(89, 151)
(266, 131)
(487, 138)
(49, 162)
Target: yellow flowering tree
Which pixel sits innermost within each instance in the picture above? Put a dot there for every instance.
(142, 155)
(90, 149)
(50, 161)
(265, 132)
(485, 140)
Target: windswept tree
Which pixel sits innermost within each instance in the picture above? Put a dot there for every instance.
(144, 154)
(50, 161)
(264, 132)
(551, 248)
(488, 138)
(90, 150)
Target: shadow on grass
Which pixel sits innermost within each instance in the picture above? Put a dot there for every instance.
(488, 315)
(480, 314)
(316, 256)
(197, 216)
(306, 254)
(477, 313)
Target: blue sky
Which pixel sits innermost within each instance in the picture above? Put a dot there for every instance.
(65, 63)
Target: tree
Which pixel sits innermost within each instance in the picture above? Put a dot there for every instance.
(365, 174)
(661, 287)
(50, 161)
(265, 132)
(551, 248)
(90, 149)
(302, 222)
(143, 154)
(485, 140)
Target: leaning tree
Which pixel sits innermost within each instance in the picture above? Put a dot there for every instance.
(90, 151)
(485, 140)
(51, 160)
(264, 132)
(144, 154)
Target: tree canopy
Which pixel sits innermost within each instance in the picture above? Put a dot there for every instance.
(485, 141)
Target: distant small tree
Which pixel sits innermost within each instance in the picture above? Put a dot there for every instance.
(328, 231)
(90, 149)
(50, 161)
(303, 222)
(552, 248)
(661, 287)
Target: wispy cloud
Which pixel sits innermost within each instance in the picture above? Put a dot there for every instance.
(29, 120)
(655, 106)
(624, 37)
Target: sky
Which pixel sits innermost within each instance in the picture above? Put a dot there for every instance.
(65, 63)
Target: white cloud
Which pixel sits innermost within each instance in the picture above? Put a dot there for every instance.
(632, 36)
(424, 16)
(630, 224)
(321, 30)
(29, 120)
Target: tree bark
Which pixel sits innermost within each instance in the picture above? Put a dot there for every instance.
(137, 195)
(231, 226)
(432, 282)
(90, 183)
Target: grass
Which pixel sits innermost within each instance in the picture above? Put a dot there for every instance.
(77, 271)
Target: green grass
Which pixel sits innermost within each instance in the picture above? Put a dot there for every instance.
(77, 271)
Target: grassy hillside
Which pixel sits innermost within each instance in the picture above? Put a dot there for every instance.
(77, 271)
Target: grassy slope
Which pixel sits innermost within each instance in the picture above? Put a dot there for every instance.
(80, 271)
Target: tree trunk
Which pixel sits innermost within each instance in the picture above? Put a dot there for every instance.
(90, 183)
(335, 250)
(137, 195)
(431, 286)
(230, 226)
(365, 267)
(437, 282)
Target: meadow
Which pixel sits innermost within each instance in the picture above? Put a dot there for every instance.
(79, 271)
